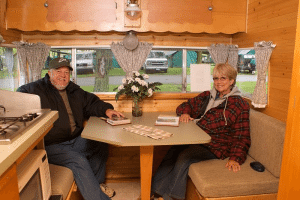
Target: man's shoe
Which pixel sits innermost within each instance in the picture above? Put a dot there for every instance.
(107, 190)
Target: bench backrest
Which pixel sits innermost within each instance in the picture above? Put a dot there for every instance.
(267, 138)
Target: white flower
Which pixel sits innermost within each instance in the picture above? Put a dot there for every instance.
(134, 88)
(144, 83)
(146, 76)
(150, 92)
(124, 80)
(121, 87)
(130, 80)
(136, 73)
(138, 80)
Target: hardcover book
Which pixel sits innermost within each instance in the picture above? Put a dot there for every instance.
(167, 120)
(118, 120)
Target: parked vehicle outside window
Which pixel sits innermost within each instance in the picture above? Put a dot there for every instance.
(247, 66)
(156, 62)
(84, 62)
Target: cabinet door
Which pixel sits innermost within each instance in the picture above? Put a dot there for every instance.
(193, 16)
(9, 184)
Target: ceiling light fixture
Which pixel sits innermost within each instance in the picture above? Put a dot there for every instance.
(132, 10)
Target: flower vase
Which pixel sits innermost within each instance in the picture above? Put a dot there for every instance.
(137, 108)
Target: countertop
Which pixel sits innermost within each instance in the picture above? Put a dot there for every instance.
(9, 153)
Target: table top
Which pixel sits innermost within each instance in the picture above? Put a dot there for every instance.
(186, 133)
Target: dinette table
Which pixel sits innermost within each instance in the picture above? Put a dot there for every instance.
(186, 133)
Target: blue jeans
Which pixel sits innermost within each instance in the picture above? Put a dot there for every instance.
(170, 178)
(87, 160)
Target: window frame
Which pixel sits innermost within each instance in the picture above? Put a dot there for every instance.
(167, 48)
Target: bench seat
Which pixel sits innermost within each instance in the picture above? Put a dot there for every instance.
(62, 180)
(212, 179)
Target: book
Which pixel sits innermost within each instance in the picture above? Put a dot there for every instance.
(117, 120)
(167, 120)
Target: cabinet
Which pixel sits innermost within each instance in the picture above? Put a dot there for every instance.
(9, 184)
(13, 154)
(191, 16)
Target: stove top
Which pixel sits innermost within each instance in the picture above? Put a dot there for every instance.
(14, 122)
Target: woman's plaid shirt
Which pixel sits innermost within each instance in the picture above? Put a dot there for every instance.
(231, 140)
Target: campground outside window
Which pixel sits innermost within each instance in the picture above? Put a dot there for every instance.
(97, 70)
(8, 69)
(247, 72)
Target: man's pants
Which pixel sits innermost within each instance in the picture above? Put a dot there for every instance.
(87, 160)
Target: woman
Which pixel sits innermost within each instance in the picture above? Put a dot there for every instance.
(224, 115)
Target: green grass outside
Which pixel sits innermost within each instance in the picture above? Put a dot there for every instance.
(245, 87)
(113, 72)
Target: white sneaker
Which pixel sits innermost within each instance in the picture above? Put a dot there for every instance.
(107, 190)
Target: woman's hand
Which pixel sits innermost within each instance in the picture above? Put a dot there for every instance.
(110, 112)
(185, 118)
(233, 165)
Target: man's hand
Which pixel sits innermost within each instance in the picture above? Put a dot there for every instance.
(110, 113)
(185, 118)
(233, 165)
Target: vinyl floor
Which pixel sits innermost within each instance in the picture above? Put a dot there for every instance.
(126, 190)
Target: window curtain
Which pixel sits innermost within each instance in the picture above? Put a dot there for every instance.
(233, 55)
(35, 55)
(218, 52)
(221, 53)
(131, 60)
(24, 74)
(9, 82)
(263, 51)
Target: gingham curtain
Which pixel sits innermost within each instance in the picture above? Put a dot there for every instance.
(220, 53)
(131, 60)
(35, 55)
(263, 51)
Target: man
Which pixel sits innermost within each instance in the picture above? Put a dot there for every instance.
(63, 143)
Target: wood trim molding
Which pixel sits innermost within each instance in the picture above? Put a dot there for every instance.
(156, 96)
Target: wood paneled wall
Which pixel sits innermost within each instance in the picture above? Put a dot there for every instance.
(273, 21)
(8, 35)
(96, 39)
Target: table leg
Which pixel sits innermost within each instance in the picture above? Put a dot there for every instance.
(146, 162)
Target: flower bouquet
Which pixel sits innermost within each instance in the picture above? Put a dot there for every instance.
(137, 88)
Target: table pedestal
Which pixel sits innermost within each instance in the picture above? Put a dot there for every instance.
(146, 162)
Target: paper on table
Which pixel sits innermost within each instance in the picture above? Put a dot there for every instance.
(147, 131)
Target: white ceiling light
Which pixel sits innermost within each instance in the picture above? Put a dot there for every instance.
(131, 41)
(132, 10)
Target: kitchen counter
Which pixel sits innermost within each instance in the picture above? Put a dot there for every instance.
(10, 153)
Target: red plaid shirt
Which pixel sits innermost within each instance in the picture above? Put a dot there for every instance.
(231, 140)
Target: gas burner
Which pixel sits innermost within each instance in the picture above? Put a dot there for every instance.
(5, 128)
(28, 117)
(14, 122)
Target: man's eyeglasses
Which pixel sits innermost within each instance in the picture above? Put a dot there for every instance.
(220, 78)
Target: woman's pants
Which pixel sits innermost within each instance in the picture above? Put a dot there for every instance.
(87, 160)
(170, 178)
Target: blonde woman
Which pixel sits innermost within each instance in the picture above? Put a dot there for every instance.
(224, 115)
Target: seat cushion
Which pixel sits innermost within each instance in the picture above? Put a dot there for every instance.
(213, 179)
(61, 180)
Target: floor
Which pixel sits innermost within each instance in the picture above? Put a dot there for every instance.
(126, 190)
